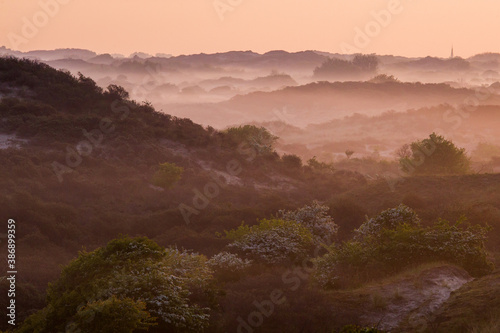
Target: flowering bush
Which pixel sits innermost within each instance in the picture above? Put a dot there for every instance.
(388, 219)
(145, 280)
(394, 240)
(315, 218)
(225, 261)
(273, 240)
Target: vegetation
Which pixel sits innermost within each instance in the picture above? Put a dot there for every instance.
(434, 155)
(361, 65)
(394, 239)
(258, 138)
(133, 280)
(167, 175)
(272, 240)
(315, 218)
(109, 193)
(471, 309)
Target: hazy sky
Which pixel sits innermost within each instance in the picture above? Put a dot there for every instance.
(414, 28)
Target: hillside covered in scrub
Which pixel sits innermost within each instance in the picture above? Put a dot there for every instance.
(129, 212)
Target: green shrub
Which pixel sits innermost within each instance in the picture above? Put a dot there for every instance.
(167, 175)
(131, 277)
(394, 240)
(112, 315)
(315, 218)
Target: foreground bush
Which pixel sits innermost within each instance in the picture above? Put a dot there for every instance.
(133, 281)
(394, 240)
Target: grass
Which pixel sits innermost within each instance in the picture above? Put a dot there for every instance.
(493, 326)
(471, 308)
(412, 273)
(378, 301)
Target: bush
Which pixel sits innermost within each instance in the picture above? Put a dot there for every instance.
(112, 315)
(434, 155)
(394, 240)
(388, 219)
(272, 241)
(292, 161)
(315, 218)
(167, 175)
(118, 280)
(228, 265)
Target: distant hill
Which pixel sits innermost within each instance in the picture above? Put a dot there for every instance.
(323, 101)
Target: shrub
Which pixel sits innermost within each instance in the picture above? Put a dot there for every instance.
(394, 240)
(292, 161)
(388, 219)
(112, 315)
(167, 175)
(272, 240)
(118, 280)
(228, 262)
(228, 266)
(315, 218)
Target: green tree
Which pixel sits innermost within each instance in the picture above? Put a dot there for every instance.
(113, 315)
(434, 155)
(131, 277)
(167, 175)
(258, 138)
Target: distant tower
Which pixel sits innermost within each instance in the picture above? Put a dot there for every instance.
(451, 56)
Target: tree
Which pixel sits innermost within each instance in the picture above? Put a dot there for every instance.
(258, 138)
(167, 175)
(117, 92)
(112, 315)
(349, 153)
(132, 280)
(434, 155)
(360, 66)
(292, 161)
(314, 164)
(366, 62)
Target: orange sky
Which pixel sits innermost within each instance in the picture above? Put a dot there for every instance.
(415, 28)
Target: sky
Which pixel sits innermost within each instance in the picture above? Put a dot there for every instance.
(399, 27)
